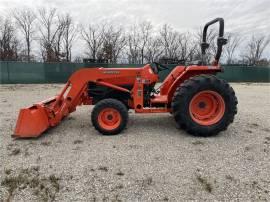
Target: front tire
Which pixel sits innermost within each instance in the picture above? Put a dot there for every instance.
(109, 116)
(204, 105)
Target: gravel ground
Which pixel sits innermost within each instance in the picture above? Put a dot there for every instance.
(151, 160)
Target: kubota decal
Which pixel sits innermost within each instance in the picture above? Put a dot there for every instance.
(111, 72)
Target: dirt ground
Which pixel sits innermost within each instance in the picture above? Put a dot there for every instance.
(151, 160)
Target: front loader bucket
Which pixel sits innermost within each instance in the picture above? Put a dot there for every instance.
(32, 122)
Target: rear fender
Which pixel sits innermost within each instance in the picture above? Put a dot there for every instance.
(189, 72)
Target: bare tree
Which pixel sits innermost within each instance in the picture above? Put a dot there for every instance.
(93, 36)
(133, 41)
(145, 31)
(231, 46)
(169, 40)
(137, 41)
(58, 42)
(114, 42)
(69, 35)
(49, 29)
(255, 48)
(187, 47)
(25, 19)
(78, 59)
(8, 41)
(64, 37)
(153, 49)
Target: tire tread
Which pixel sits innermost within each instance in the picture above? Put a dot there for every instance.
(113, 103)
(191, 86)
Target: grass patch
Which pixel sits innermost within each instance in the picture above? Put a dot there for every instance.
(198, 142)
(55, 182)
(148, 181)
(35, 168)
(103, 168)
(116, 199)
(205, 183)
(120, 186)
(13, 182)
(26, 152)
(229, 177)
(78, 142)
(46, 143)
(165, 198)
(247, 148)
(15, 152)
(70, 118)
(254, 125)
(120, 173)
(45, 188)
(8, 171)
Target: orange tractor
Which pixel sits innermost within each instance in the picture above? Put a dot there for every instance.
(200, 103)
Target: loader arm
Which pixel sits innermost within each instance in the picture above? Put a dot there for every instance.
(78, 85)
(33, 121)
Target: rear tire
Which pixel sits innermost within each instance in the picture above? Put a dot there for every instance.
(109, 116)
(204, 105)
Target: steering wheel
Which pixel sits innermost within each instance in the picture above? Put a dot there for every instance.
(157, 67)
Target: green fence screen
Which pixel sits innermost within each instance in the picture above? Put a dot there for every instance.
(21, 72)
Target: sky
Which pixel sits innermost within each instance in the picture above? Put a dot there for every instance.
(247, 17)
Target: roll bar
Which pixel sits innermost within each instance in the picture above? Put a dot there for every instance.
(220, 40)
